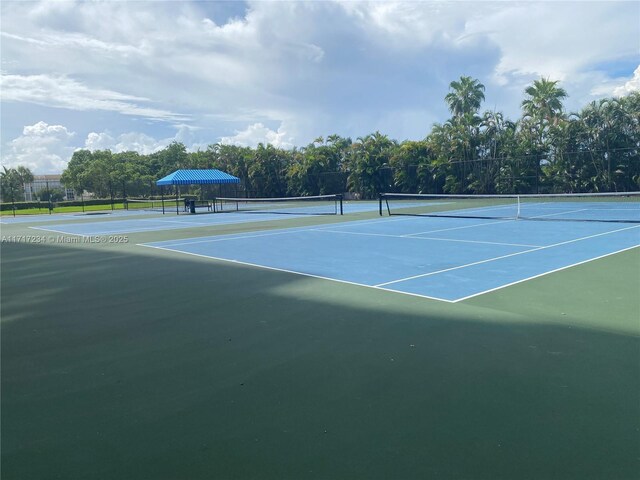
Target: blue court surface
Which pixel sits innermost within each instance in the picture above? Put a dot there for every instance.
(448, 259)
(174, 222)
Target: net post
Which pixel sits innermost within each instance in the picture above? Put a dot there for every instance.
(380, 203)
(340, 201)
(518, 209)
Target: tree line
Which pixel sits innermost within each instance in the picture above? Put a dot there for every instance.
(12, 182)
(546, 150)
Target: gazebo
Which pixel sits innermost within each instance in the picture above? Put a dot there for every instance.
(195, 177)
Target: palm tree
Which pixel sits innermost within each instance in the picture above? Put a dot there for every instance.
(464, 100)
(542, 114)
(13, 181)
(545, 101)
(465, 96)
(369, 163)
(24, 174)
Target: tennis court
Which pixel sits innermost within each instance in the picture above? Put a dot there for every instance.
(356, 346)
(176, 222)
(440, 258)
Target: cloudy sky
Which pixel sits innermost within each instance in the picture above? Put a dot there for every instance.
(137, 75)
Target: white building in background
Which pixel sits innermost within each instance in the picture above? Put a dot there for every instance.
(42, 182)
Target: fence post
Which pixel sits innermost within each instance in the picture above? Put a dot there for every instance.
(49, 198)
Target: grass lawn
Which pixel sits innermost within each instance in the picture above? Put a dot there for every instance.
(61, 209)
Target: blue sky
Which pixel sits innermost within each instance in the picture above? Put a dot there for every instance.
(138, 75)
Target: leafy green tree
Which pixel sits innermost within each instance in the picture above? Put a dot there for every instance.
(495, 138)
(268, 171)
(25, 175)
(73, 175)
(51, 194)
(465, 96)
(9, 185)
(544, 101)
(464, 100)
(411, 163)
(542, 118)
(369, 169)
(234, 160)
(13, 181)
(315, 169)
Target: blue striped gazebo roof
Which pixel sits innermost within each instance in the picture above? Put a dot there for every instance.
(197, 177)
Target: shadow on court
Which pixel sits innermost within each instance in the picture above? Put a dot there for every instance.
(122, 365)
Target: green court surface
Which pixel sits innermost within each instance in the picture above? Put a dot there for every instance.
(124, 362)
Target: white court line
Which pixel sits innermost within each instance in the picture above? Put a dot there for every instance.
(576, 211)
(133, 228)
(505, 256)
(238, 262)
(561, 213)
(426, 238)
(60, 231)
(457, 228)
(223, 238)
(99, 232)
(406, 218)
(161, 220)
(543, 274)
(477, 241)
(384, 219)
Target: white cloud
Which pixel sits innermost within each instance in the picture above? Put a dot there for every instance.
(317, 67)
(599, 85)
(411, 24)
(42, 130)
(632, 85)
(553, 39)
(141, 142)
(99, 141)
(42, 148)
(125, 142)
(76, 41)
(63, 92)
(258, 133)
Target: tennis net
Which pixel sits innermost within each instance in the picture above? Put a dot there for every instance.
(311, 205)
(596, 207)
(152, 205)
